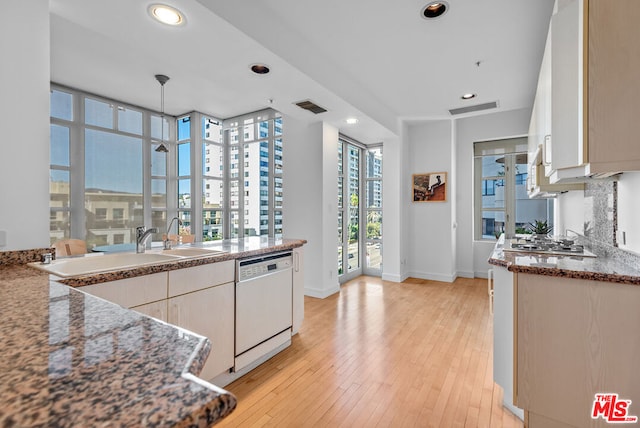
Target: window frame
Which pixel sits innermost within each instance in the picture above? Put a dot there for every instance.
(75, 220)
(510, 149)
(343, 209)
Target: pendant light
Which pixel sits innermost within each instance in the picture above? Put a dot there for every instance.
(162, 79)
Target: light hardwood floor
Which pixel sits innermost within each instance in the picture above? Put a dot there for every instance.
(382, 354)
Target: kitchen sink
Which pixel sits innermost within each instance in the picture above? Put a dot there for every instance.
(95, 263)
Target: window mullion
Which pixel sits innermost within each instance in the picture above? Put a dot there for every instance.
(272, 178)
(77, 216)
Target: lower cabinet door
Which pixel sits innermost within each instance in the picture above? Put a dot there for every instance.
(157, 310)
(210, 313)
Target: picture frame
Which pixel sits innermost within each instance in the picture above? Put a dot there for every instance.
(429, 187)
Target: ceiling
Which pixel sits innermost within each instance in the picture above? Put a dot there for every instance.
(375, 60)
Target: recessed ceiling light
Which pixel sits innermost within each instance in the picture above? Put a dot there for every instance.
(352, 121)
(166, 14)
(468, 96)
(260, 69)
(434, 9)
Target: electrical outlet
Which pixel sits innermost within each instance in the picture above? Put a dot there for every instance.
(3, 238)
(621, 237)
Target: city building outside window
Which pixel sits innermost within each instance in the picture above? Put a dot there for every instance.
(106, 177)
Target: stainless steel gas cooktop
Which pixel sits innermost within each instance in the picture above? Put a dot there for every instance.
(553, 245)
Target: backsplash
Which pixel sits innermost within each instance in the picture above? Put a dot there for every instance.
(601, 222)
(600, 211)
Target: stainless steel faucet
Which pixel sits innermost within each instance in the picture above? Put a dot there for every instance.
(167, 241)
(142, 234)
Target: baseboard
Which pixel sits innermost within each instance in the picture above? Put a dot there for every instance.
(482, 274)
(321, 294)
(433, 276)
(466, 274)
(394, 278)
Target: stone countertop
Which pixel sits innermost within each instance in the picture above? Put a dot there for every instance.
(607, 268)
(231, 250)
(71, 359)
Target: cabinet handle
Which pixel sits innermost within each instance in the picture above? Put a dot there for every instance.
(546, 150)
(490, 289)
(296, 262)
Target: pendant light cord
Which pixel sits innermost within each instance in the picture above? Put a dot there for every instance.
(162, 79)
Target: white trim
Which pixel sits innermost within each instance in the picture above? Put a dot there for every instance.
(394, 277)
(482, 274)
(433, 276)
(467, 274)
(321, 294)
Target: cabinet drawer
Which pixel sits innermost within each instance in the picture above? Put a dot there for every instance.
(132, 291)
(187, 280)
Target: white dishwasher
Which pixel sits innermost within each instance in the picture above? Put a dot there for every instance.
(264, 301)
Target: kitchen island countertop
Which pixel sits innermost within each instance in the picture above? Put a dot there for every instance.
(70, 359)
(601, 268)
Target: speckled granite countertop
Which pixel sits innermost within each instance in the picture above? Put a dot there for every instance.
(605, 267)
(232, 249)
(69, 359)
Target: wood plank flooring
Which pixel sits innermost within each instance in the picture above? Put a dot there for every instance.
(382, 354)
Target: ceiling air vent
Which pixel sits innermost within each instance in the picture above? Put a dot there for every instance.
(311, 106)
(477, 107)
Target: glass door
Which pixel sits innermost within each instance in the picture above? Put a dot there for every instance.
(359, 210)
(349, 232)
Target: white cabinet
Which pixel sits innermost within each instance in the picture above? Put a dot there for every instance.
(503, 335)
(184, 281)
(595, 89)
(298, 289)
(540, 136)
(157, 310)
(208, 312)
(202, 300)
(132, 292)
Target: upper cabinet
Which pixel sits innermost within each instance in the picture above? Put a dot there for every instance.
(595, 96)
(539, 144)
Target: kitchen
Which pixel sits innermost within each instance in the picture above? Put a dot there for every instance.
(432, 144)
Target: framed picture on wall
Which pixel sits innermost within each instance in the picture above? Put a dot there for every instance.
(429, 187)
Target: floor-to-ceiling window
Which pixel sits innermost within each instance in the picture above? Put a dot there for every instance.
(373, 210)
(255, 174)
(102, 174)
(107, 176)
(359, 219)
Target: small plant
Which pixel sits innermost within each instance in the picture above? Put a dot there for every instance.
(539, 227)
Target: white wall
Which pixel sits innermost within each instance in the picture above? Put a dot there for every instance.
(430, 246)
(310, 200)
(329, 211)
(392, 212)
(570, 212)
(472, 255)
(24, 120)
